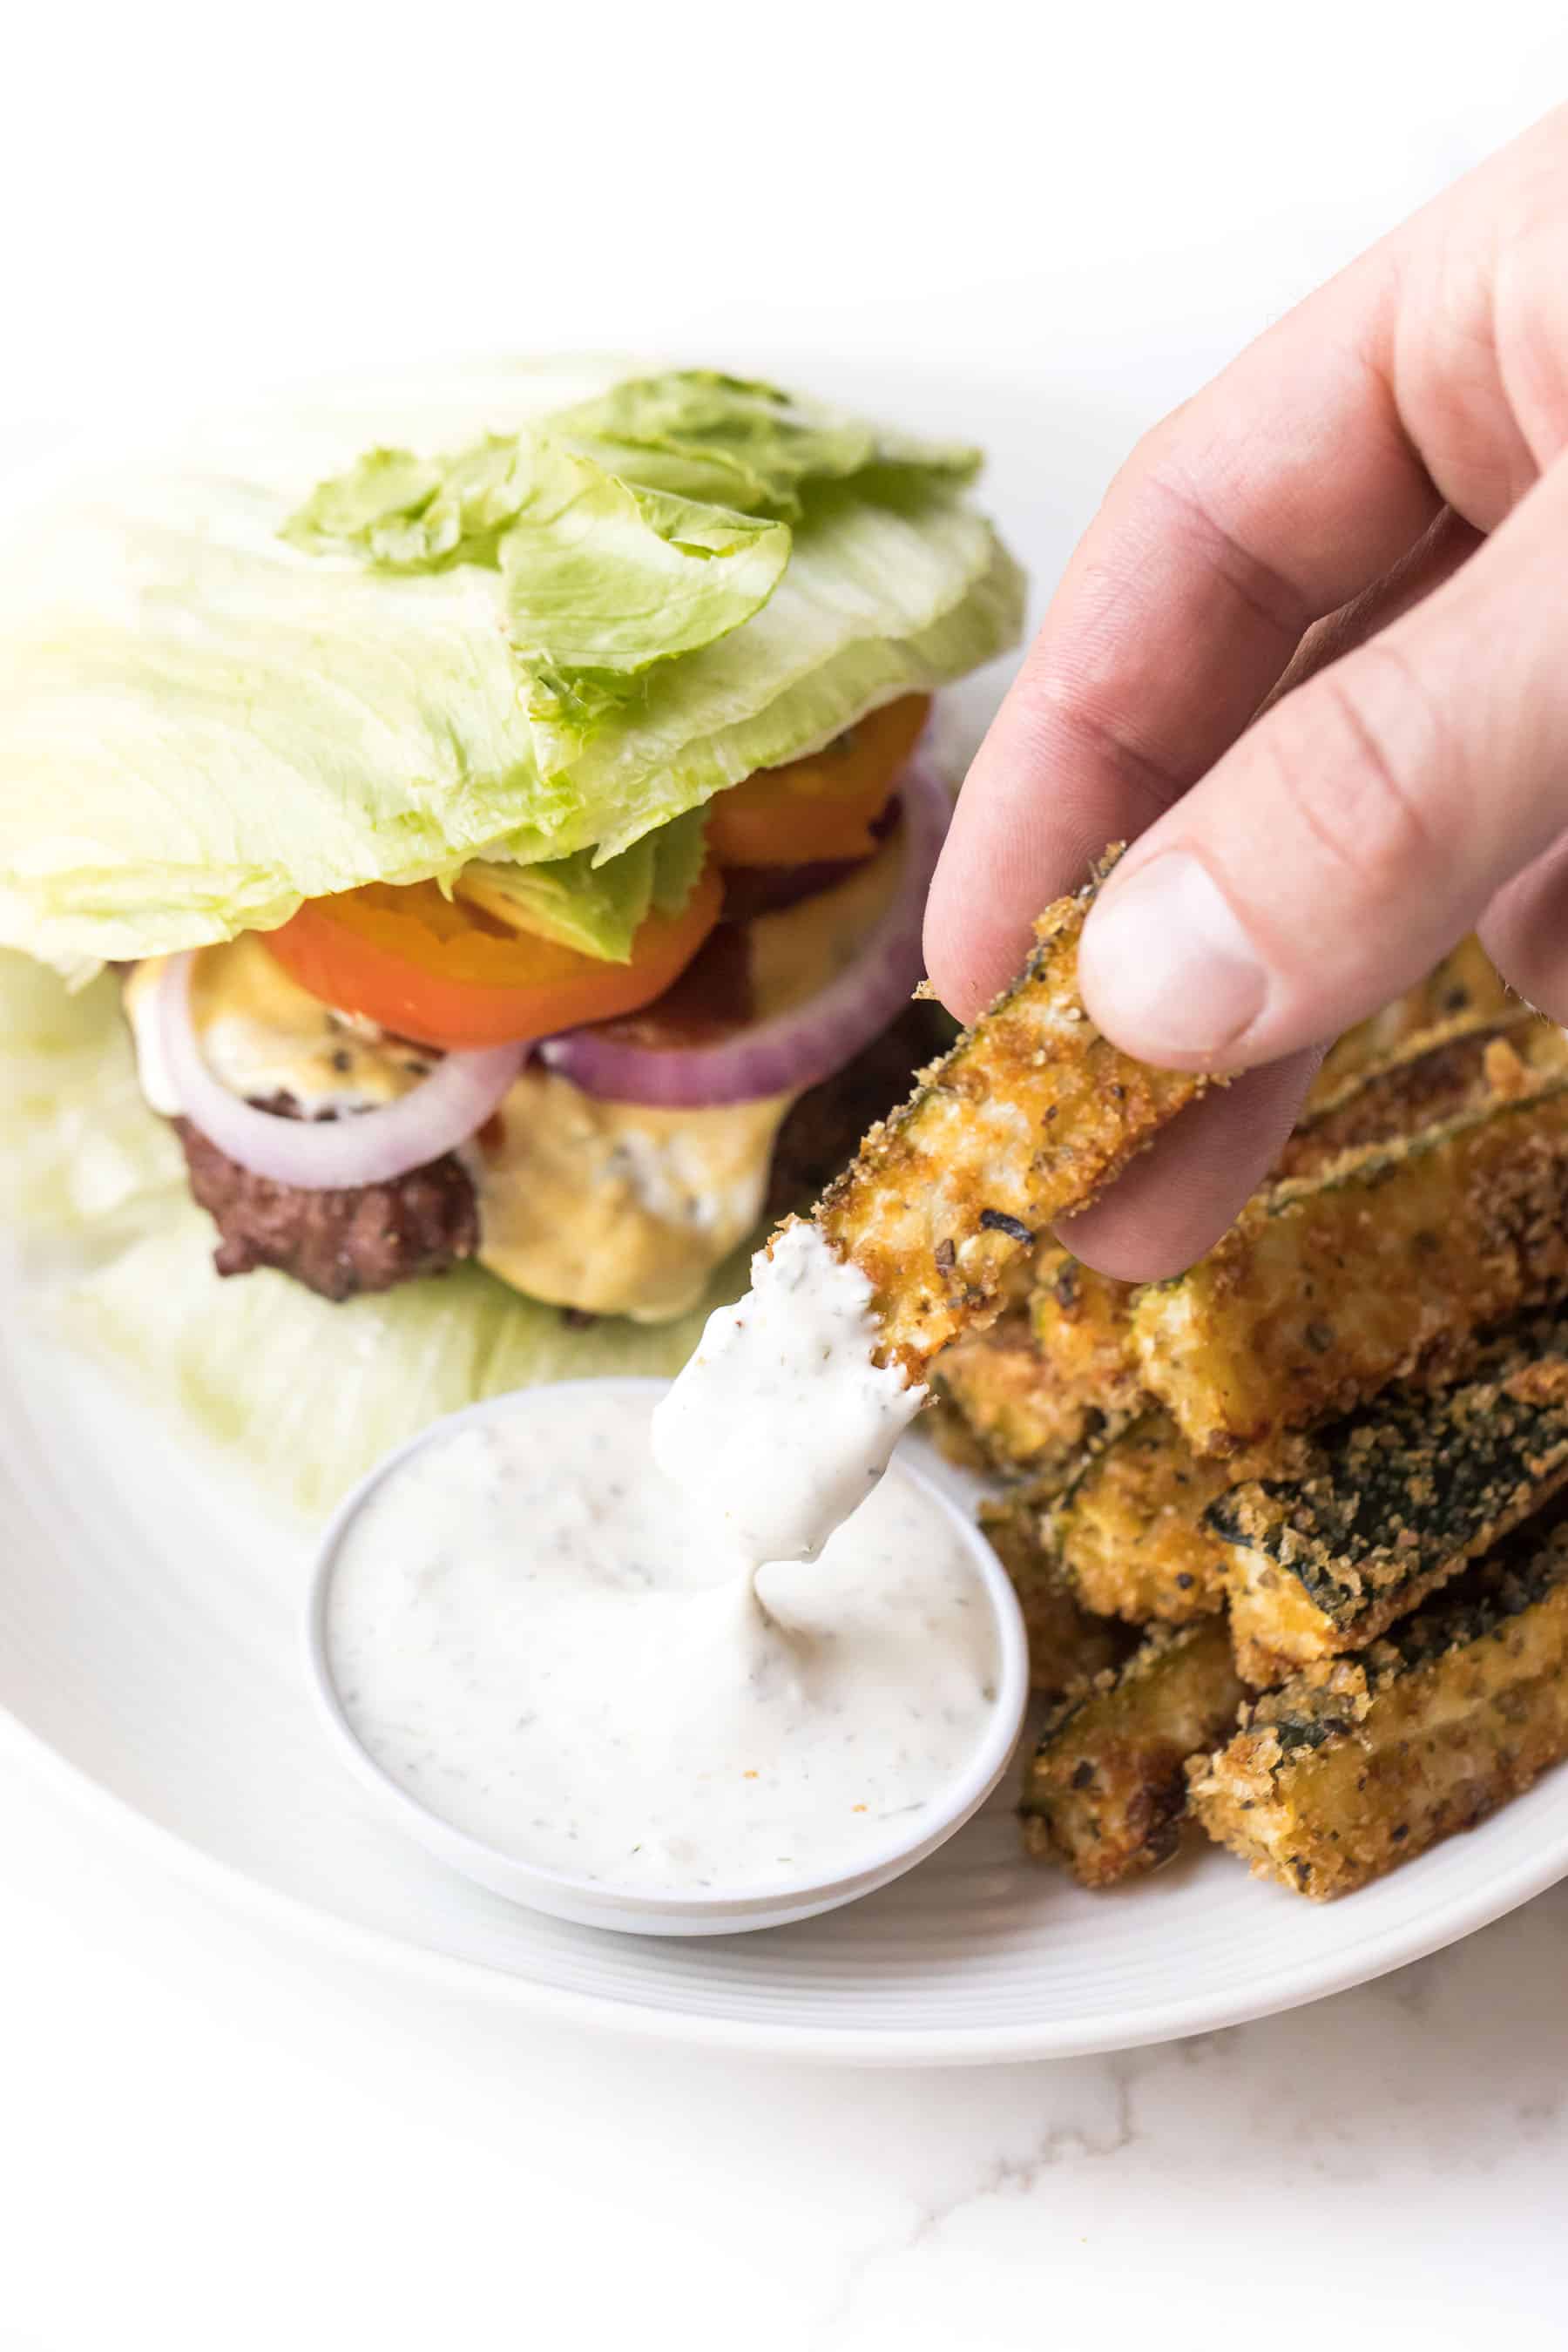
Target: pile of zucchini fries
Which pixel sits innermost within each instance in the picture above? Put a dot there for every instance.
(1291, 1531)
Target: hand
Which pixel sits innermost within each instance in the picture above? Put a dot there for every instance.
(1361, 526)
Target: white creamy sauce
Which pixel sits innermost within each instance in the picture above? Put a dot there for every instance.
(781, 1420)
(549, 1645)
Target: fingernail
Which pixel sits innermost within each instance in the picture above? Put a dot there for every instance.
(1165, 968)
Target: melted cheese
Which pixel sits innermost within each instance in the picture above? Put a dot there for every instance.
(263, 1035)
(610, 1208)
(617, 1209)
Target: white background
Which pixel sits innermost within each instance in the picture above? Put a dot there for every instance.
(213, 2135)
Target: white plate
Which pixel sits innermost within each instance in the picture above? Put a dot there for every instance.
(149, 1638)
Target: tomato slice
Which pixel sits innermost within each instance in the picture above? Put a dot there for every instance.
(446, 974)
(823, 807)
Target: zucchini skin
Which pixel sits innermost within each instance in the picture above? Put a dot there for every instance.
(1027, 1118)
(1433, 1076)
(1394, 1502)
(1106, 1792)
(1355, 1766)
(1069, 1646)
(1387, 1264)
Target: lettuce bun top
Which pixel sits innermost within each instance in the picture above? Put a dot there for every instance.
(528, 614)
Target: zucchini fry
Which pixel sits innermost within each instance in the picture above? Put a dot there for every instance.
(1328, 1287)
(1433, 1076)
(1129, 1533)
(1027, 1407)
(1397, 1499)
(1011, 1403)
(1465, 982)
(1083, 1330)
(1028, 1118)
(1105, 1793)
(1035, 1387)
(1067, 1647)
(1354, 1767)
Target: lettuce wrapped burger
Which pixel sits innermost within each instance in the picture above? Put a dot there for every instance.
(507, 810)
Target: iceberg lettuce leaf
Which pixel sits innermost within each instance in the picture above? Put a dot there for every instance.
(382, 496)
(79, 1141)
(601, 575)
(595, 909)
(306, 1396)
(704, 435)
(201, 724)
(679, 854)
(827, 671)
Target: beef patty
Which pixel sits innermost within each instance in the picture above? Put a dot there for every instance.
(339, 1244)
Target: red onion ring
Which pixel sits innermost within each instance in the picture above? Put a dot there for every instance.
(330, 1155)
(794, 1050)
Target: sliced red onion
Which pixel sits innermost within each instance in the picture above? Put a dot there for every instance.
(794, 1050)
(336, 1155)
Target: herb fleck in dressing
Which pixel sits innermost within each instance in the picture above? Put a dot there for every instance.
(548, 1643)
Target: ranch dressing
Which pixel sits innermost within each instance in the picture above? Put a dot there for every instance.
(547, 1643)
(781, 1419)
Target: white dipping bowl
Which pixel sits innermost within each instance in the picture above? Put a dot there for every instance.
(678, 1911)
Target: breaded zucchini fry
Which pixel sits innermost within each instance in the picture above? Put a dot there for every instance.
(1082, 1320)
(1011, 1403)
(1032, 1391)
(1395, 1501)
(1326, 1287)
(1082, 1325)
(1129, 1533)
(1433, 1076)
(1465, 982)
(1352, 1767)
(1031, 1114)
(1067, 1647)
(1106, 1790)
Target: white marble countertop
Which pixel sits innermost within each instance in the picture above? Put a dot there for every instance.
(218, 2135)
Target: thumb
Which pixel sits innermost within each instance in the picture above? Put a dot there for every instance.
(1358, 829)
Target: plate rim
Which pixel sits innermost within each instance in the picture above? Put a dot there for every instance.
(1296, 1987)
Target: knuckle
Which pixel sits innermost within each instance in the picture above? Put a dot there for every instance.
(1260, 587)
(1060, 724)
(1174, 472)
